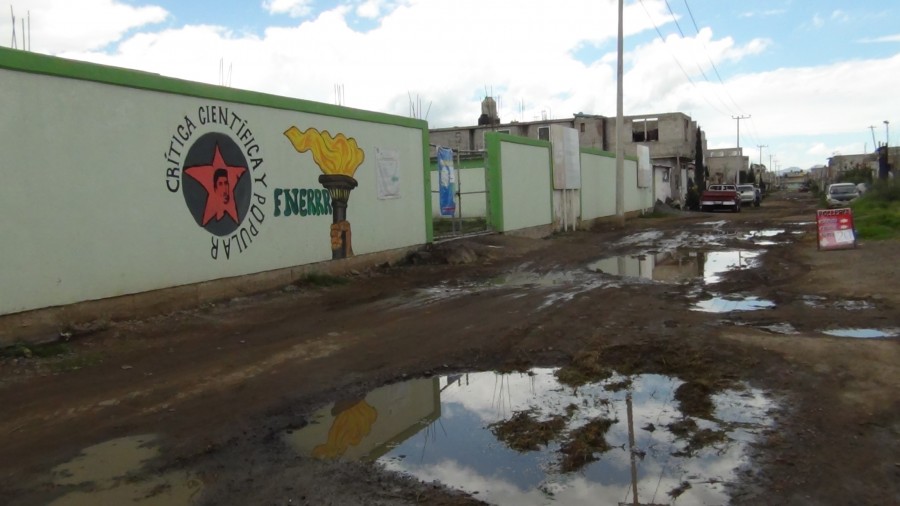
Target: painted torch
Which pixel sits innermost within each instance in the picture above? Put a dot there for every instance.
(338, 158)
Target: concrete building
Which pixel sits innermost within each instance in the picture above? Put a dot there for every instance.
(794, 180)
(670, 136)
(838, 164)
(725, 164)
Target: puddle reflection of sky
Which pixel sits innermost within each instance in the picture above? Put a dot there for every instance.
(460, 451)
(860, 333)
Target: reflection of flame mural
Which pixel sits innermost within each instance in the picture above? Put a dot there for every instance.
(338, 158)
(350, 426)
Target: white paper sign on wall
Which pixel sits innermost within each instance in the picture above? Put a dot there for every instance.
(566, 158)
(644, 168)
(387, 169)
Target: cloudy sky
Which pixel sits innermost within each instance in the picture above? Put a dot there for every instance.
(813, 77)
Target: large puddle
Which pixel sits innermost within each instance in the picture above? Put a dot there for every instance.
(678, 266)
(112, 473)
(860, 333)
(526, 439)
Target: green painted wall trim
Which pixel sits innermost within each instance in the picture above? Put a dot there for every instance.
(35, 63)
(492, 142)
(426, 179)
(599, 152)
(495, 180)
(516, 139)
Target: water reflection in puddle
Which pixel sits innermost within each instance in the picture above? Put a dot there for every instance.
(727, 304)
(820, 302)
(863, 333)
(559, 285)
(109, 473)
(678, 266)
(763, 237)
(444, 429)
(780, 328)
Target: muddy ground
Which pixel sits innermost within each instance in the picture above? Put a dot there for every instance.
(218, 386)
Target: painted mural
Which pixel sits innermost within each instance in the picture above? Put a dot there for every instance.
(352, 423)
(338, 158)
(216, 163)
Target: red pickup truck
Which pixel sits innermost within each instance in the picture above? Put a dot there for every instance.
(721, 195)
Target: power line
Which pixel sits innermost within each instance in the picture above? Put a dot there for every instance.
(706, 51)
(675, 58)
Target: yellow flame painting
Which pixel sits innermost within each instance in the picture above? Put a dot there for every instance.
(333, 155)
(348, 429)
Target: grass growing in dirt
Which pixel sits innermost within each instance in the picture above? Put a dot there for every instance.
(877, 213)
(36, 351)
(687, 429)
(680, 489)
(57, 356)
(524, 433)
(76, 362)
(584, 443)
(694, 399)
(586, 367)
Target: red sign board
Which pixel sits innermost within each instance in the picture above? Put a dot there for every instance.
(834, 228)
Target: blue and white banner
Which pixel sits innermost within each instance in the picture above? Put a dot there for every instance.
(446, 181)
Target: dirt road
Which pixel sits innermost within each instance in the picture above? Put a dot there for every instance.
(212, 405)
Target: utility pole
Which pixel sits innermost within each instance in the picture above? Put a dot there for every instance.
(620, 154)
(887, 150)
(760, 146)
(737, 173)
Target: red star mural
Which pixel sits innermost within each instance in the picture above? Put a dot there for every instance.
(219, 180)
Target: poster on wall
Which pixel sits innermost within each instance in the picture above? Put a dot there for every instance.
(446, 181)
(566, 158)
(644, 169)
(387, 173)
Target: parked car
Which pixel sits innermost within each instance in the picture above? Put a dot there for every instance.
(720, 195)
(841, 194)
(749, 195)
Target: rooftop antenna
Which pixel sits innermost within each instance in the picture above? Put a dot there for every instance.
(415, 107)
(14, 43)
(224, 79)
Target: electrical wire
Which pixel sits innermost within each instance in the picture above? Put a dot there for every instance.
(706, 52)
(677, 62)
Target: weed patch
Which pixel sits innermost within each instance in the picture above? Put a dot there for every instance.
(524, 433)
(322, 280)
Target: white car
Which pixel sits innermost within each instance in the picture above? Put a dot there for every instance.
(841, 194)
(749, 194)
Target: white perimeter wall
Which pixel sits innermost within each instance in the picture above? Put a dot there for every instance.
(598, 187)
(87, 212)
(526, 185)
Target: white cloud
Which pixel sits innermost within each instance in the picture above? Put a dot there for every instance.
(369, 9)
(886, 38)
(442, 53)
(818, 21)
(839, 15)
(293, 8)
(58, 26)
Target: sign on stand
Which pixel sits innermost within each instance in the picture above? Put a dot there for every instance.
(834, 229)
